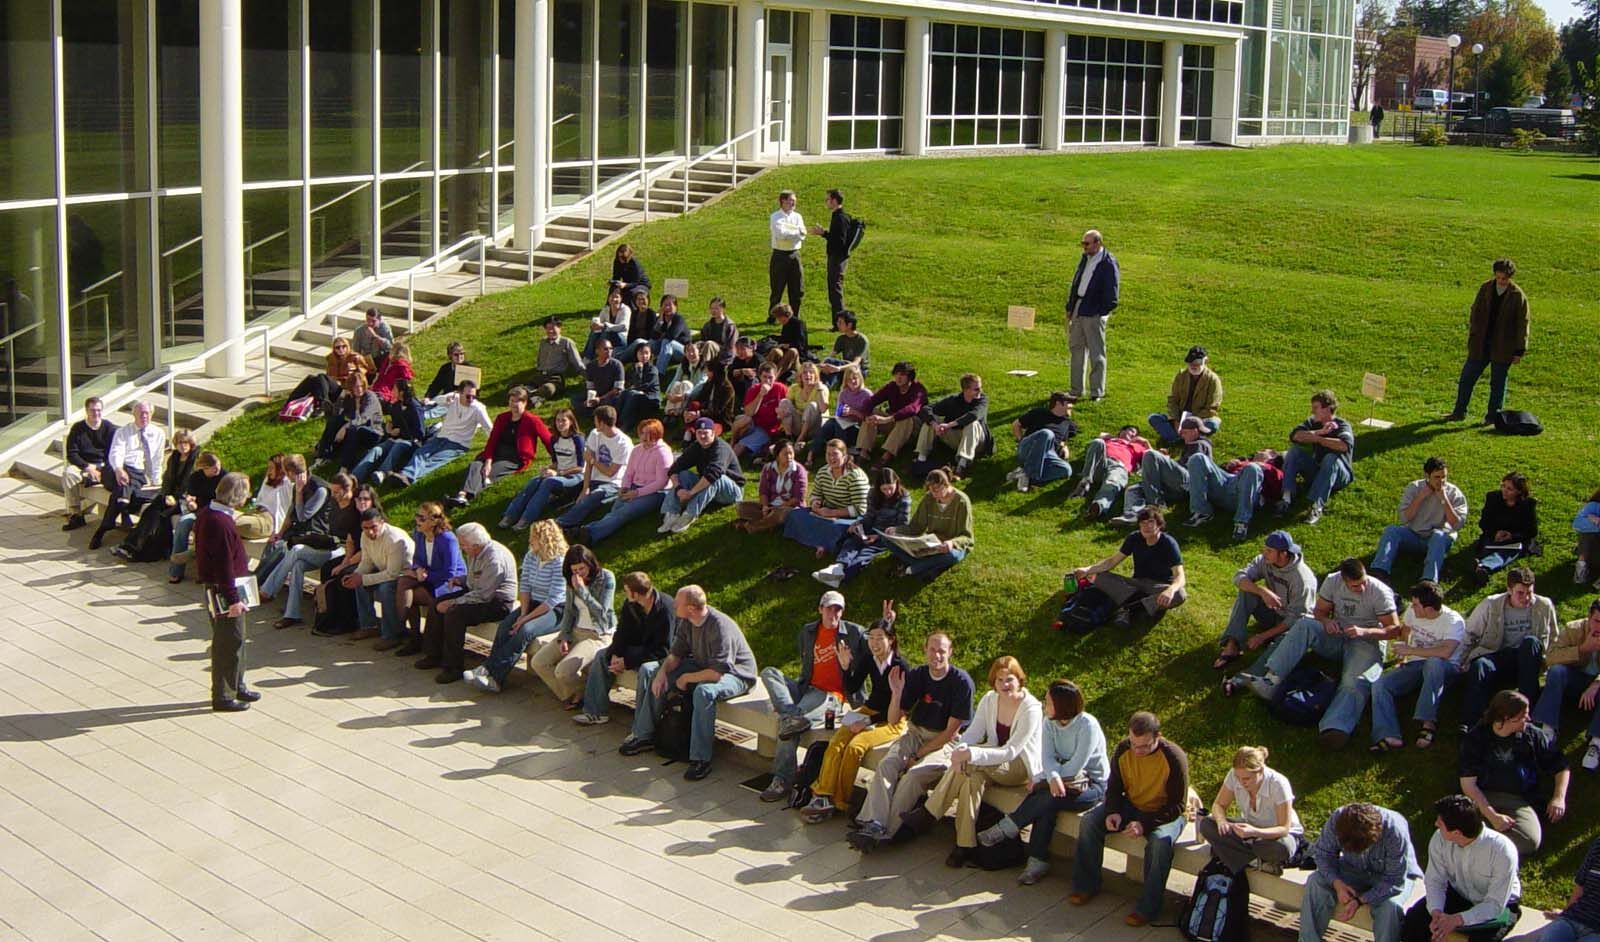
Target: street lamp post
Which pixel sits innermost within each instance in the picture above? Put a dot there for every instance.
(1477, 77)
(1454, 41)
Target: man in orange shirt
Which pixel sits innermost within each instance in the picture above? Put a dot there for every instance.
(821, 686)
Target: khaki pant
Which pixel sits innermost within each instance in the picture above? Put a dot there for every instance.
(564, 673)
(964, 790)
(72, 485)
(964, 440)
(1086, 343)
(758, 518)
(899, 433)
(800, 425)
(253, 526)
(902, 779)
(837, 777)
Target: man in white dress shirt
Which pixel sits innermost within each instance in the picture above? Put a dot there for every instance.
(1473, 890)
(788, 231)
(134, 461)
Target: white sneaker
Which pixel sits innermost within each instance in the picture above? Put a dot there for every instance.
(1014, 473)
(1125, 520)
(1591, 755)
(682, 522)
(377, 478)
(480, 682)
(668, 521)
(591, 719)
(1023, 484)
(832, 576)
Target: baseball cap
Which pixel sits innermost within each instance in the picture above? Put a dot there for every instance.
(831, 597)
(704, 422)
(1281, 540)
(1195, 353)
(1192, 421)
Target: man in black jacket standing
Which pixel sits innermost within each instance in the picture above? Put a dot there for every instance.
(87, 445)
(837, 236)
(1093, 296)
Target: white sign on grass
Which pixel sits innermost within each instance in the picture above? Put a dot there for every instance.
(677, 287)
(1019, 317)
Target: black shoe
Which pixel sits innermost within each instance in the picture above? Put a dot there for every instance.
(409, 649)
(455, 500)
(960, 857)
(697, 771)
(247, 695)
(427, 664)
(919, 820)
(229, 706)
(633, 746)
(447, 676)
(74, 522)
(95, 541)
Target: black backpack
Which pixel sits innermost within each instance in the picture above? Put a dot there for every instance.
(854, 231)
(1219, 910)
(1088, 609)
(1006, 855)
(805, 776)
(1303, 696)
(674, 724)
(1515, 422)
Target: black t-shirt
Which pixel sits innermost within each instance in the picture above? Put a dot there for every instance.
(1153, 562)
(1042, 418)
(604, 377)
(505, 447)
(931, 703)
(1510, 764)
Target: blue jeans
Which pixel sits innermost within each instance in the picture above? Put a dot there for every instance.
(1563, 684)
(1398, 539)
(723, 491)
(1362, 661)
(1431, 676)
(1161, 481)
(396, 452)
(622, 512)
(377, 458)
(1039, 459)
(1320, 900)
(791, 699)
(927, 568)
(530, 502)
(390, 626)
(1112, 475)
(1471, 372)
(432, 455)
(830, 430)
(1487, 675)
(600, 495)
(817, 532)
(630, 350)
(511, 643)
(181, 528)
(1168, 433)
(1326, 477)
(754, 440)
(1211, 488)
(1247, 606)
(597, 687)
(1562, 929)
(289, 575)
(1040, 809)
(617, 338)
(703, 728)
(666, 351)
(1088, 861)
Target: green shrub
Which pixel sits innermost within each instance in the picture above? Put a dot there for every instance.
(1432, 136)
(1523, 139)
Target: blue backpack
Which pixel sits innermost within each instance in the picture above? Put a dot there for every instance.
(1303, 697)
(1219, 910)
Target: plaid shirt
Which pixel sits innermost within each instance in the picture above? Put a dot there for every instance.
(1380, 871)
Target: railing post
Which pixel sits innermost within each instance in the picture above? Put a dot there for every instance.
(482, 259)
(411, 301)
(266, 362)
(11, 378)
(531, 249)
(172, 401)
(591, 222)
(685, 189)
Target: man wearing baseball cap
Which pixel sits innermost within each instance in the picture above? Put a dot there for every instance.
(829, 648)
(707, 473)
(1197, 391)
(1276, 589)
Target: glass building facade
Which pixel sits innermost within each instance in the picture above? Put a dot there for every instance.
(378, 135)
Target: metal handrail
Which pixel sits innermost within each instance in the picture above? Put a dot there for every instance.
(728, 145)
(9, 342)
(105, 313)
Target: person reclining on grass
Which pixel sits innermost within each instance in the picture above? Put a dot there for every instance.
(1276, 589)
(1107, 462)
(561, 477)
(1158, 577)
(1163, 480)
(1321, 449)
(1365, 858)
(1241, 486)
(1430, 649)
(1041, 435)
(606, 453)
(1196, 391)
(961, 422)
(1431, 513)
(1353, 622)
(1472, 885)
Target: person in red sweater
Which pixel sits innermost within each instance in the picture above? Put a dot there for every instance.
(1107, 462)
(512, 446)
(220, 560)
(759, 424)
(396, 368)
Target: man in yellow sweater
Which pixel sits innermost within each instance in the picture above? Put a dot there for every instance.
(1147, 796)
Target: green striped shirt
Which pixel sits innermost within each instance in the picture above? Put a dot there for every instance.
(848, 491)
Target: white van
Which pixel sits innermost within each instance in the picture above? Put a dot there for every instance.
(1430, 99)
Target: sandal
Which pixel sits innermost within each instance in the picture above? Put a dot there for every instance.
(1425, 736)
(1387, 745)
(1224, 658)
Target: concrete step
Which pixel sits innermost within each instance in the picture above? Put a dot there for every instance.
(298, 351)
(697, 183)
(508, 270)
(424, 295)
(580, 221)
(658, 207)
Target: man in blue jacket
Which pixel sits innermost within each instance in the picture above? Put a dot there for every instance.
(1095, 287)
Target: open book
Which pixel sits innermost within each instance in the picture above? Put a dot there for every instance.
(249, 594)
(925, 545)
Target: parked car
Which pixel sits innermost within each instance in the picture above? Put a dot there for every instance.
(1430, 99)
(1551, 122)
(1534, 101)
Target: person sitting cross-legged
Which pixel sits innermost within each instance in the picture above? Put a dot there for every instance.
(850, 348)
(936, 700)
(1503, 759)
(891, 413)
(643, 636)
(1001, 746)
(1269, 829)
(1164, 480)
(1073, 768)
(1158, 577)
(710, 660)
(1574, 677)
(1042, 451)
(779, 491)
(587, 624)
(1473, 891)
(1508, 634)
(707, 474)
(1322, 449)
(1430, 650)
(1147, 795)
(1241, 485)
(541, 601)
(561, 477)
(945, 514)
(491, 590)
(513, 443)
(1196, 391)
(605, 458)
(888, 507)
(840, 492)
(1276, 589)
(961, 422)
(1580, 920)
(805, 406)
(1431, 513)
(1508, 524)
(1353, 623)
(1107, 462)
(1364, 857)
(556, 359)
(850, 409)
(828, 646)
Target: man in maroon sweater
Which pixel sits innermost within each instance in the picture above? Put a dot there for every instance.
(512, 446)
(219, 560)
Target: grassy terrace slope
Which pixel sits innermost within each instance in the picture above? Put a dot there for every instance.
(1298, 268)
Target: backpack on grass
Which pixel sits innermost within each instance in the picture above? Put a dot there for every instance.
(1516, 422)
(1219, 910)
(298, 410)
(1088, 609)
(1303, 697)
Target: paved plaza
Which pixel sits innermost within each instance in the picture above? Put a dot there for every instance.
(359, 801)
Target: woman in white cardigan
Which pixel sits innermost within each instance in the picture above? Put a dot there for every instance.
(1001, 746)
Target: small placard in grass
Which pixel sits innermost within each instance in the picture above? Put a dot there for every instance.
(471, 374)
(1375, 386)
(677, 287)
(1019, 317)
(1022, 373)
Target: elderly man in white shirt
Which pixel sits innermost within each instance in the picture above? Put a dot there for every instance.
(788, 232)
(134, 460)
(464, 414)
(1471, 880)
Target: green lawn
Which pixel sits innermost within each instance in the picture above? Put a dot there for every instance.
(1298, 267)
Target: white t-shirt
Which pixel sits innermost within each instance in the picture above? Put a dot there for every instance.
(608, 449)
(1429, 632)
(1274, 791)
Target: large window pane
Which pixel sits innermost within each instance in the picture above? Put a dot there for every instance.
(27, 106)
(341, 87)
(664, 80)
(31, 380)
(408, 222)
(407, 74)
(619, 79)
(710, 101)
(865, 74)
(105, 72)
(271, 90)
(178, 92)
(272, 240)
(465, 83)
(1116, 78)
(108, 253)
(180, 275)
(991, 76)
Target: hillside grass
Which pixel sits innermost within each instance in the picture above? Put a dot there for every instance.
(1297, 267)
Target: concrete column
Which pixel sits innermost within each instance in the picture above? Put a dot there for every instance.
(1225, 93)
(531, 123)
(919, 52)
(749, 91)
(816, 85)
(1171, 90)
(222, 180)
(1053, 100)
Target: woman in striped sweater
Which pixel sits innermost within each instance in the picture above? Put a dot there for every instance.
(839, 493)
(541, 598)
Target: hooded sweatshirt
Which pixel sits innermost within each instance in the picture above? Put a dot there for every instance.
(1293, 582)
